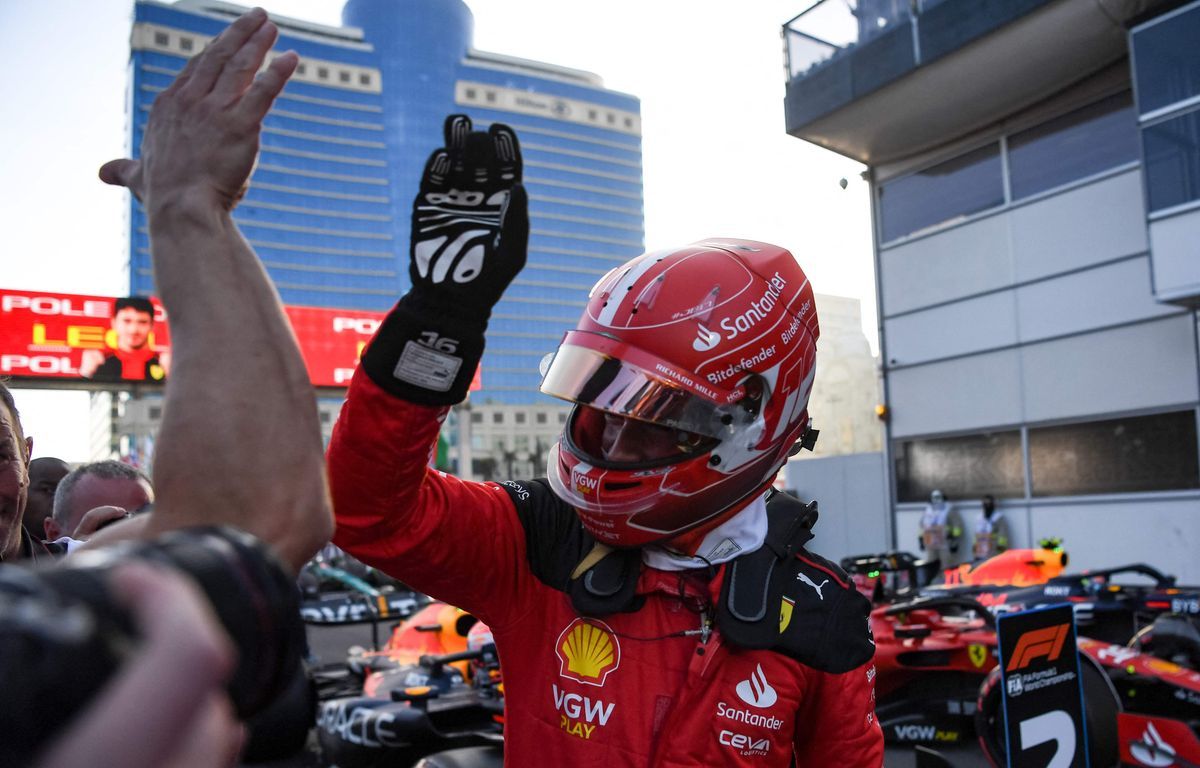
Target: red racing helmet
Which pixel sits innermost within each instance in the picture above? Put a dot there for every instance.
(710, 349)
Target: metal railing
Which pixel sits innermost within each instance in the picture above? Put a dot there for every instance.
(829, 28)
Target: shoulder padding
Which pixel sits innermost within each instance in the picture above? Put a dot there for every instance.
(785, 598)
(556, 542)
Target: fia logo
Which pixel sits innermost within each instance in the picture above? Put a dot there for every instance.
(1015, 686)
(705, 339)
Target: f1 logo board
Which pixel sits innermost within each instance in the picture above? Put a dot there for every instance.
(1043, 695)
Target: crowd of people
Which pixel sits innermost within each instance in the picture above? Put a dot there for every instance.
(649, 574)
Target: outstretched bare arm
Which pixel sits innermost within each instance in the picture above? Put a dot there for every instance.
(240, 442)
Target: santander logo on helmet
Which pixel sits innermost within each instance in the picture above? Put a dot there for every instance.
(706, 339)
(713, 342)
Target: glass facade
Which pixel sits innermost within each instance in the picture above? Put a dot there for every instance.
(1065, 149)
(1167, 69)
(328, 208)
(966, 466)
(1172, 149)
(1166, 73)
(1131, 454)
(1142, 453)
(1079, 144)
(966, 184)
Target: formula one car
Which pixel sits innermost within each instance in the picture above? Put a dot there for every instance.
(1106, 608)
(433, 692)
(937, 684)
(337, 589)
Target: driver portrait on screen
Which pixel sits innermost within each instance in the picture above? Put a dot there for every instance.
(134, 357)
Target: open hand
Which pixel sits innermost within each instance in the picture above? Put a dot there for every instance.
(202, 137)
(470, 221)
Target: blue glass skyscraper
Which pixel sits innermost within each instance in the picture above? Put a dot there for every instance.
(343, 148)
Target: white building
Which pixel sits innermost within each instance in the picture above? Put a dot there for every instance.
(1035, 169)
(846, 388)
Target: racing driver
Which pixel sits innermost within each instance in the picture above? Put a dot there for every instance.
(650, 605)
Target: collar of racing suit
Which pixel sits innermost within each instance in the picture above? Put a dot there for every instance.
(740, 534)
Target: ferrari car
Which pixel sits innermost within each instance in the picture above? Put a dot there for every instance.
(937, 684)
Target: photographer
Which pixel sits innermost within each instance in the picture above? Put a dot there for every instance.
(239, 448)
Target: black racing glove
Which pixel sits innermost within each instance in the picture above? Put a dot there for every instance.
(470, 229)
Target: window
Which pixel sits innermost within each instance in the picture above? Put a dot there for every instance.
(301, 69)
(326, 416)
(476, 417)
(155, 412)
(498, 417)
(364, 79)
(967, 184)
(162, 38)
(520, 417)
(1087, 141)
(1139, 453)
(490, 96)
(344, 76)
(186, 43)
(967, 466)
(562, 417)
(323, 73)
(1167, 74)
(1172, 157)
(541, 418)
(1167, 69)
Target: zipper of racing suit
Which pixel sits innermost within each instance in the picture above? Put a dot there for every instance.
(708, 643)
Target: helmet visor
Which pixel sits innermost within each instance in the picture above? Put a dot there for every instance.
(613, 377)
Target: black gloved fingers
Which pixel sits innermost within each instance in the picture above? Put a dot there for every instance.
(514, 226)
(455, 131)
(437, 171)
(508, 152)
(474, 166)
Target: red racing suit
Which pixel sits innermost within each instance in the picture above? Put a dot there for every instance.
(653, 686)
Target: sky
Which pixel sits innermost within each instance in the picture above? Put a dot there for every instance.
(716, 159)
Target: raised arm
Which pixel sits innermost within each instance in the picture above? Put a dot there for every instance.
(470, 228)
(240, 442)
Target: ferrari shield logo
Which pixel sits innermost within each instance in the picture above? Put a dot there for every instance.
(977, 653)
(785, 613)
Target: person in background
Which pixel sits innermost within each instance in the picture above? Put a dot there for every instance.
(100, 492)
(15, 449)
(134, 357)
(941, 531)
(240, 443)
(991, 531)
(45, 473)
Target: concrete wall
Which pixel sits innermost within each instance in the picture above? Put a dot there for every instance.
(1176, 268)
(852, 499)
(1039, 312)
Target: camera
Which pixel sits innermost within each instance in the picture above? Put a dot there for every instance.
(63, 634)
